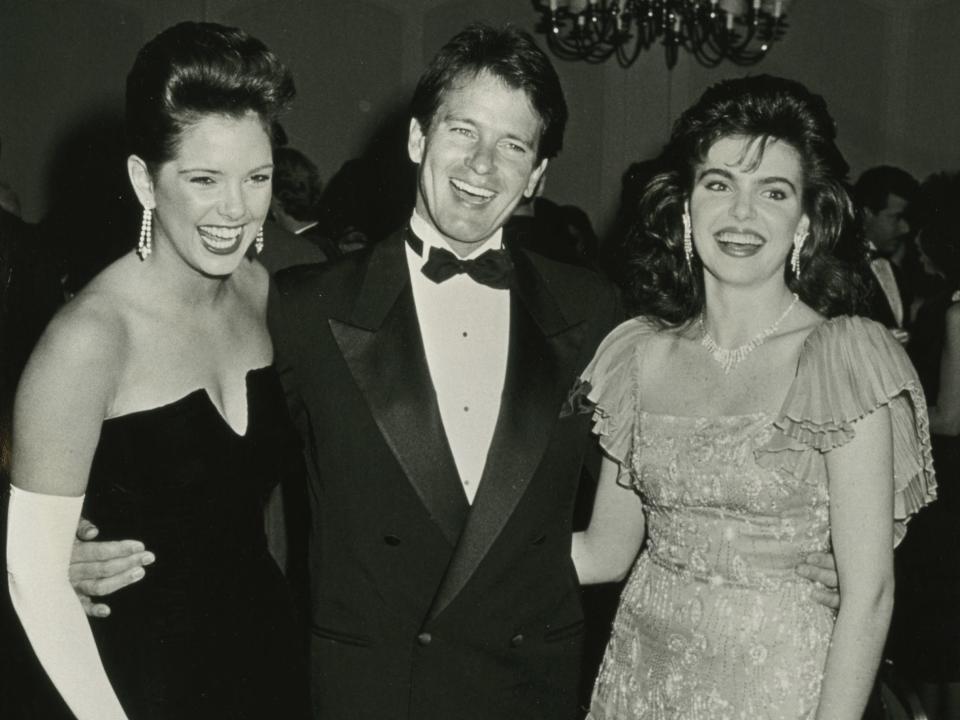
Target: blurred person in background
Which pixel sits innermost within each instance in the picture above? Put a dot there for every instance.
(925, 634)
(884, 194)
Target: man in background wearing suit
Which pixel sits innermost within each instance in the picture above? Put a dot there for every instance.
(884, 194)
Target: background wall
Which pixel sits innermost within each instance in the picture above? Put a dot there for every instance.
(886, 67)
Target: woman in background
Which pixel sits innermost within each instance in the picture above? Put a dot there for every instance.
(151, 404)
(748, 421)
(925, 633)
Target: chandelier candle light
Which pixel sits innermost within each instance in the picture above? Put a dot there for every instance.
(741, 31)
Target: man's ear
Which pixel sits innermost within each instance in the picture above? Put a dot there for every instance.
(535, 178)
(142, 181)
(416, 139)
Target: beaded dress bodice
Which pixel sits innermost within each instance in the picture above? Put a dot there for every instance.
(714, 611)
(713, 512)
(714, 623)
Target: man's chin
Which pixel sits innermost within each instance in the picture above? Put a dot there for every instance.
(462, 236)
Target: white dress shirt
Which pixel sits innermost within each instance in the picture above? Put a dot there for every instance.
(465, 328)
(883, 271)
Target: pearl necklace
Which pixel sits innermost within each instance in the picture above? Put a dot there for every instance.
(729, 358)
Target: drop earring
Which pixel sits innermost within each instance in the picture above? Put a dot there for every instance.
(687, 236)
(258, 241)
(799, 237)
(145, 246)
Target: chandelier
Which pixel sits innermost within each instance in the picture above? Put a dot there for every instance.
(741, 31)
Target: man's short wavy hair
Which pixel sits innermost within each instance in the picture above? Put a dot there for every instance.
(510, 55)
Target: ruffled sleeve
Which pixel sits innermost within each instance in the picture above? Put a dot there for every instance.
(849, 367)
(609, 385)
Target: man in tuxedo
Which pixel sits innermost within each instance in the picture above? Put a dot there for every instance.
(428, 376)
(884, 194)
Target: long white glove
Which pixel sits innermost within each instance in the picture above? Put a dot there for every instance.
(40, 531)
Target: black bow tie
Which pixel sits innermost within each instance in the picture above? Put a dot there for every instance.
(494, 268)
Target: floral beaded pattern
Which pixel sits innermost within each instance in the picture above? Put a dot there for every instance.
(714, 622)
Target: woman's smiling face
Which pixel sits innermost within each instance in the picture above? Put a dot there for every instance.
(746, 208)
(212, 198)
(477, 159)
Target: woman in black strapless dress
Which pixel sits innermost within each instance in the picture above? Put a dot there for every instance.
(210, 630)
(153, 393)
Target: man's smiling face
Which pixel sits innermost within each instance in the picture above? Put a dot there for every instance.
(477, 159)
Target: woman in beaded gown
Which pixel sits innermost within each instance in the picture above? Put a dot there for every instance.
(151, 406)
(748, 421)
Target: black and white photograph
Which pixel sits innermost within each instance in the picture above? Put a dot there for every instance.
(480, 359)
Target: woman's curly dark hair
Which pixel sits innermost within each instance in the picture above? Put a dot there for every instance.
(661, 285)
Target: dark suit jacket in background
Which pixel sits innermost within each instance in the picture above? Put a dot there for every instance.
(283, 249)
(423, 606)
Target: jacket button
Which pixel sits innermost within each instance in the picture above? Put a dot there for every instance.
(424, 638)
(392, 540)
(516, 640)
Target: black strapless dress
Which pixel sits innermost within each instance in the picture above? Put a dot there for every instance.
(211, 632)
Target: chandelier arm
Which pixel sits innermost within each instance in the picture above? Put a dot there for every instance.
(625, 58)
(702, 44)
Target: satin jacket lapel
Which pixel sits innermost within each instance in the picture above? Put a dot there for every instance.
(540, 337)
(382, 346)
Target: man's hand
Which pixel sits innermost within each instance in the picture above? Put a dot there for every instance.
(101, 568)
(900, 335)
(821, 568)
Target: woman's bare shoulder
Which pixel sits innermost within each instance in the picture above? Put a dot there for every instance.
(953, 314)
(90, 330)
(252, 281)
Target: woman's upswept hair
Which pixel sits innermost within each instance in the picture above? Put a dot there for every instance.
(765, 109)
(195, 69)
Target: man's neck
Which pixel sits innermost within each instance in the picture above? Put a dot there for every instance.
(433, 237)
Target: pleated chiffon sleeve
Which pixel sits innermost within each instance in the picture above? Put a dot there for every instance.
(609, 384)
(848, 368)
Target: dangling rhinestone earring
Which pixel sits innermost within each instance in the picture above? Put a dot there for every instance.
(145, 246)
(687, 236)
(799, 237)
(258, 241)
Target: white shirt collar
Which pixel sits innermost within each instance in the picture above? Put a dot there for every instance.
(432, 238)
(306, 227)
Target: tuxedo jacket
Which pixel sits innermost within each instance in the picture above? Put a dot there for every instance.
(423, 606)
